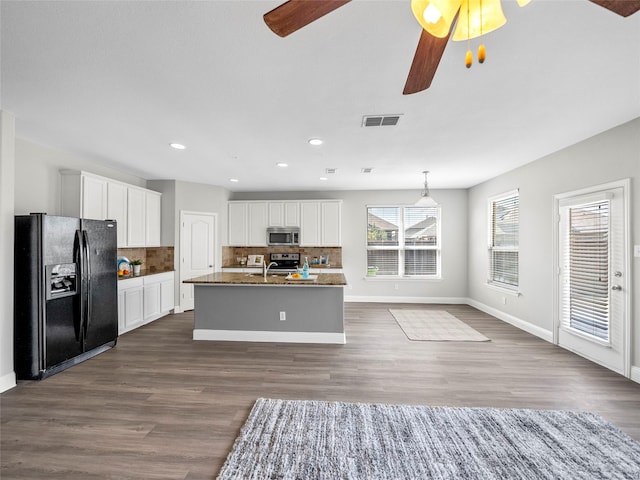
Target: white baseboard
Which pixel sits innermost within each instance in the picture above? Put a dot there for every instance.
(393, 299)
(265, 336)
(7, 382)
(515, 321)
(635, 374)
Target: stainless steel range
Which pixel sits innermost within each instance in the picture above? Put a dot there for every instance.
(285, 262)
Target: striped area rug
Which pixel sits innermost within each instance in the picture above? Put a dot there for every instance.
(292, 439)
(435, 325)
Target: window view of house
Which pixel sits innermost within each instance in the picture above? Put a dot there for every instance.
(504, 239)
(403, 241)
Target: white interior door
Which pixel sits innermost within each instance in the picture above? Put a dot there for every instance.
(593, 308)
(197, 251)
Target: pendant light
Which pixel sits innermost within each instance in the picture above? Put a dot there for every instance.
(426, 200)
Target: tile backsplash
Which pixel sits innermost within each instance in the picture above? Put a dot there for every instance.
(154, 259)
(230, 254)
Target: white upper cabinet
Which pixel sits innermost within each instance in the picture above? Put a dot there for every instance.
(319, 221)
(153, 218)
(117, 209)
(248, 223)
(94, 198)
(83, 195)
(330, 218)
(284, 214)
(137, 210)
(309, 223)
(257, 233)
(136, 217)
(238, 227)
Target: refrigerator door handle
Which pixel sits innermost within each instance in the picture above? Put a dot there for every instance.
(87, 253)
(78, 258)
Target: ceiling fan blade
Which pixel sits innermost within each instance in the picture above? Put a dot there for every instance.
(621, 7)
(295, 14)
(425, 62)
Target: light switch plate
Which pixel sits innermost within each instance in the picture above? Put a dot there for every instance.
(636, 250)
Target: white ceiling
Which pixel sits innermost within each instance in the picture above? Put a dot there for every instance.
(118, 81)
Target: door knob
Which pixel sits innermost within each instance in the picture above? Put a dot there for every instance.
(616, 287)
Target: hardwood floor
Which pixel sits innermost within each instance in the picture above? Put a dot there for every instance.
(161, 406)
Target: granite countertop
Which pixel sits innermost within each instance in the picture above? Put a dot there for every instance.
(143, 273)
(227, 278)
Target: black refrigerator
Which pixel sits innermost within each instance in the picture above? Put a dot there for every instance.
(66, 294)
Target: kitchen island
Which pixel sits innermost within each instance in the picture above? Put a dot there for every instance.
(251, 308)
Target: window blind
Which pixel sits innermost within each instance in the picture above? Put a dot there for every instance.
(586, 306)
(504, 240)
(403, 240)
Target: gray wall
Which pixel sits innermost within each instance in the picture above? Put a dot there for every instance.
(612, 155)
(180, 196)
(7, 165)
(38, 176)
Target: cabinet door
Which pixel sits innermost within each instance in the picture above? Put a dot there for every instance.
(94, 198)
(257, 212)
(133, 308)
(136, 213)
(330, 224)
(276, 214)
(153, 219)
(117, 209)
(166, 296)
(291, 214)
(237, 224)
(151, 300)
(309, 223)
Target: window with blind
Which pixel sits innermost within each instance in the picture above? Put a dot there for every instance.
(587, 254)
(404, 241)
(504, 226)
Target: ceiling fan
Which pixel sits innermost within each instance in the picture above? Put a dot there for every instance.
(295, 14)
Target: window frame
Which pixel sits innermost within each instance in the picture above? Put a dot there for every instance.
(492, 248)
(401, 248)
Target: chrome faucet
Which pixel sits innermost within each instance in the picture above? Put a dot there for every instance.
(265, 268)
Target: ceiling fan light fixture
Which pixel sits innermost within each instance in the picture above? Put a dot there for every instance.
(478, 17)
(435, 16)
(426, 200)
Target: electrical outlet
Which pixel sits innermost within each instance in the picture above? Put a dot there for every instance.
(396, 286)
(636, 250)
(283, 316)
(504, 300)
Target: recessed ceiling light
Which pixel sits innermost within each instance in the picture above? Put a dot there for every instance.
(177, 146)
(234, 180)
(315, 142)
(324, 179)
(282, 164)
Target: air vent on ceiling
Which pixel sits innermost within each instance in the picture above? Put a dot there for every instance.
(366, 170)
(329, 171)
(380, 120)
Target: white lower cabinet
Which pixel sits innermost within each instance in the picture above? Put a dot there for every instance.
(144, 299)
(130, 304)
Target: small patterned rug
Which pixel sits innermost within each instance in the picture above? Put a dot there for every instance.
(435, 325)
(295, 439)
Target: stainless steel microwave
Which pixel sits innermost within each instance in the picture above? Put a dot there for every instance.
(283, 236)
